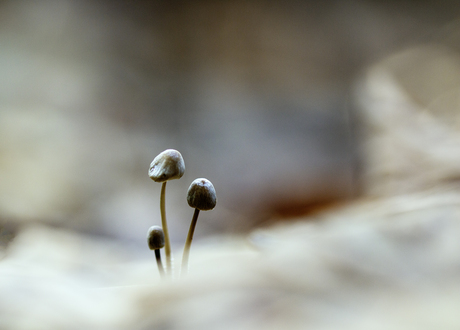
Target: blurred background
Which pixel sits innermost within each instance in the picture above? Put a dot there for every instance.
(330, 130)
(263, 98)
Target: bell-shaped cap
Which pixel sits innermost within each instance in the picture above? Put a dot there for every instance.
(155, 238)
(202, 195)
(168, 165)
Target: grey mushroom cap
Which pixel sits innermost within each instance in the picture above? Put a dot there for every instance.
(201, 195)
(155, 238)
(168, 165)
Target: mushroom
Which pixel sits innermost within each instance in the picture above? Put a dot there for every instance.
(156, 241)
(201, 195)
(168, 165)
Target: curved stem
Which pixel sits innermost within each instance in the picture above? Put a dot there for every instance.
(160, 265)
(165, 229)
(188, 243)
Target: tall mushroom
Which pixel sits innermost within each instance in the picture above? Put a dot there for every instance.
(168, 165)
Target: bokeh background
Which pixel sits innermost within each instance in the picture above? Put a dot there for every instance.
(257, 96)
(262, 98)
(292, 109)
(254, 95)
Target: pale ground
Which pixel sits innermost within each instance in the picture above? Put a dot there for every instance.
(389, 263)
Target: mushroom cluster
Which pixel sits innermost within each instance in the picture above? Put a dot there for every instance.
(201, 195)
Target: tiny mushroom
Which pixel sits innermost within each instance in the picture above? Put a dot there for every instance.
(156, 241)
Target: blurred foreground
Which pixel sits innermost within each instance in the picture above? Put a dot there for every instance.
(387, 264)
(345, 108)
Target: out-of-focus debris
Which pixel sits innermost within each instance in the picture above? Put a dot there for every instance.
(410, 109)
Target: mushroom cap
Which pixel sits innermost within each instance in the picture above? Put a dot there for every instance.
(202, 195)
(155, 238)
(168, 165)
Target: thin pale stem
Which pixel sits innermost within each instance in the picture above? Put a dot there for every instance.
(160, 265)
(165, 229)
(188, 243)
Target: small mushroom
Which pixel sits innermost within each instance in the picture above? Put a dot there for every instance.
(201, 195)
(168, 165)
(156, 241)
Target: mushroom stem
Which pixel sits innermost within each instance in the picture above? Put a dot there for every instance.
(160, 265)
(188, 243)
(165, 228)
